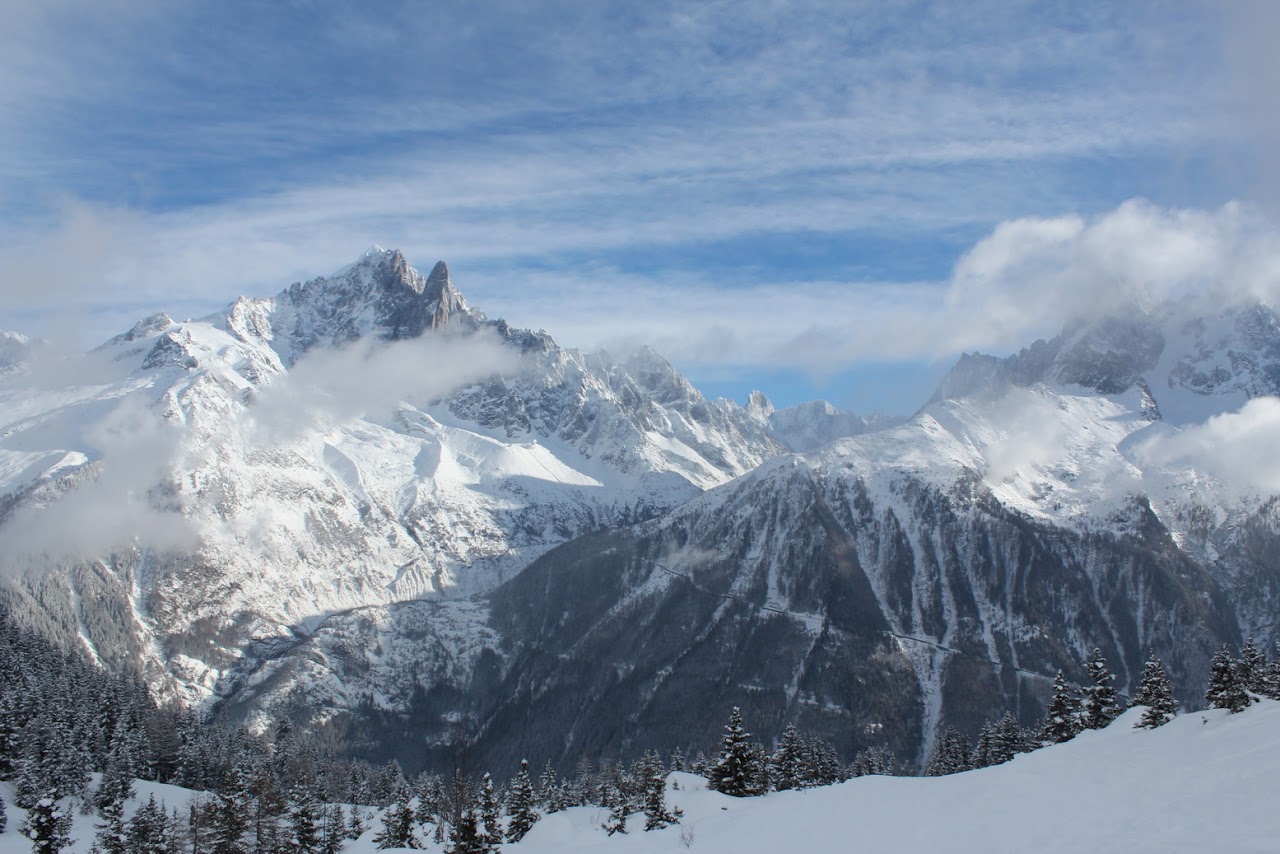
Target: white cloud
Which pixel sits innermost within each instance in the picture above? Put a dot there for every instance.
(1236, 448)
(1033, 436)
(125, 501)
(329, 387)
(1033, 273)
(1022, 281)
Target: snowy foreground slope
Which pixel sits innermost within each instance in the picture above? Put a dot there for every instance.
(1204, 782)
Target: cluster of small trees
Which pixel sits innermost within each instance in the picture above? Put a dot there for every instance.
(476, 818)
(1071, 710)
(62, 718)
(1236, 683)
(745, 768)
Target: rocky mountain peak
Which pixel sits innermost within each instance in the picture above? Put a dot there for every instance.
(1110, 355)
(759, 406)
(14, 351)
(381, 294)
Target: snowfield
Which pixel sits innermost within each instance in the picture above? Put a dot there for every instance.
(1204, 782)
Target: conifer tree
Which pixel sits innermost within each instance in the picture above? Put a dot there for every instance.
(1098, 706)
(4, 819)
(820, 764)
(115, 787)
(490, 830)
(112, 834)
(520, 805)
(1156, 695)
(786, 761)
(618, 808)
(737, 770)
(1007, 740)
(873, 760)
(1224, 692)
(148, 830)
(550, 794)
(657, 816)
(466, 836)
(48, 825)
(950, 756)
(1062, 718)
(1270, 687)
(229, 812)
(677, 760)
(398, 822)
(334, 830)
(304, 820)
(359, 821)
(1251, 669)
(982, 749)
(431, 796)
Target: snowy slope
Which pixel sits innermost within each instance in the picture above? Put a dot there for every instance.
(1201, 783)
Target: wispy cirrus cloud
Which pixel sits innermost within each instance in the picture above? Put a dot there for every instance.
(824, 157)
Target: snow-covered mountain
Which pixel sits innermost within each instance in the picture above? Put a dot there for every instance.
(884, 585)
(364, 503)
(358, 440)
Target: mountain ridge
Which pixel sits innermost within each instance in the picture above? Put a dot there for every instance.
(892, 576)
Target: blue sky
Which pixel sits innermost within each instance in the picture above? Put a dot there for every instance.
(775, 195)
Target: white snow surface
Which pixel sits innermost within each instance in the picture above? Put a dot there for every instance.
(1203, 782)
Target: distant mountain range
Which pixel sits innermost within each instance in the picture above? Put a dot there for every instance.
(364, 504)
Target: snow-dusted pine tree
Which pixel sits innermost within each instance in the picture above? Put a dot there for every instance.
(657, 816)
(1098, 706)
(786, 761)
(1156, 695)
(115, 787)
(305, 818)
(1251, 668)
(398, 822)
(550, 793)
(951, 755)
(520, 805)
(333, 831)
(1271, 677)
(1224, 692)
(618, 809)
(48, 826)
(1062, 718)
(490, 814)
(230, 816)
(737, 770)
(148, 830)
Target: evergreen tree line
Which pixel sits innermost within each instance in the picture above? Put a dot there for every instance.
(1234, 683)
(62, 718)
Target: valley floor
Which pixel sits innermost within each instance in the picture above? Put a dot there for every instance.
(1204, 782)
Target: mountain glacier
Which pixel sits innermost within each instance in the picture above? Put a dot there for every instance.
(363, 503)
